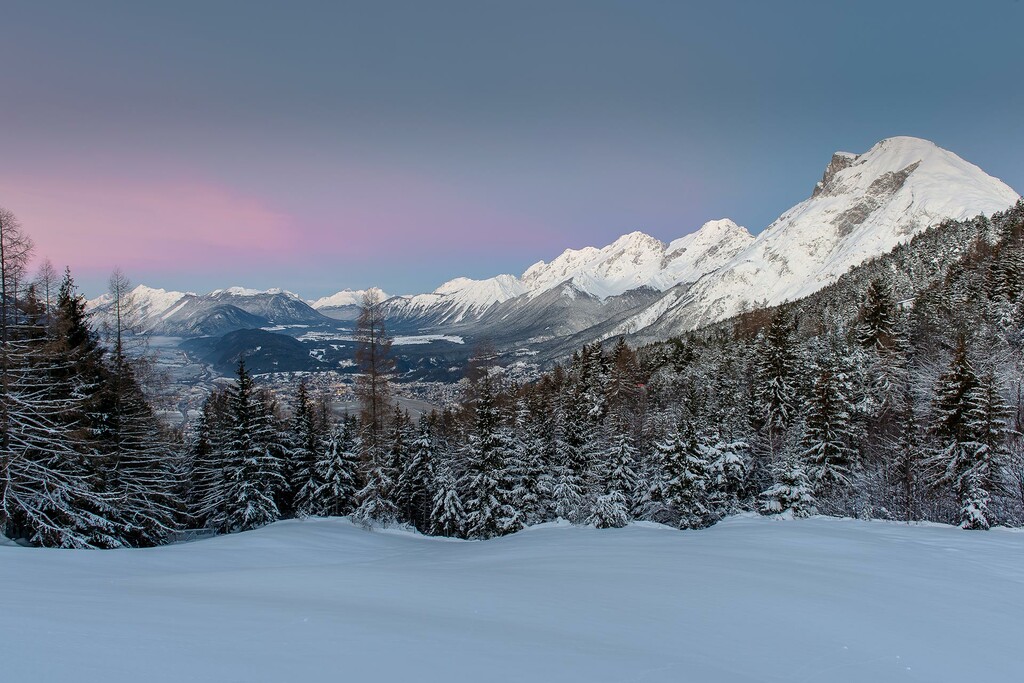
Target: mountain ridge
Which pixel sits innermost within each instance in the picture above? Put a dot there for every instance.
(863, 206)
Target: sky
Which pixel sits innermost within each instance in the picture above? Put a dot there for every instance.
(317, 146)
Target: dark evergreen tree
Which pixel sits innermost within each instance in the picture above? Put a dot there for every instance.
(254, 478)
(337, 471)
(968, 424)
(417, 478)
(489, 484)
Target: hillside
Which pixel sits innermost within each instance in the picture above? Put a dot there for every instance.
(751, 599)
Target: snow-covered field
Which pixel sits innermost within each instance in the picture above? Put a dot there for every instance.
(750, 599)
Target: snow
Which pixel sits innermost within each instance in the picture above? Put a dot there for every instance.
(751, 599)
(346, 297)
(634, 260)
(426, 339)
(150, 302)
(246, 291)
(639, 260)
(459, 299)
(865, 206)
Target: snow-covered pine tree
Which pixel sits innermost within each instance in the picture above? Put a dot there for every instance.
(305, 446)
(969, 427)
(377, 502)
(141, 461)
(416, 481)
(527, 466)
(447, 515)
(827, 435)
(908, 462)
(792, 494)
(876, 326)
(207, 494)
(489, 485)
(687, 477)
(337, 469)
(775, 389)
(730, 465)
(253, 469)
(577, 446)
(618, 495)
(48, 477)
(609, 511)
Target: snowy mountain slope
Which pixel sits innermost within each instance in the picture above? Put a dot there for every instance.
(639, 260)
(633, 261)
(750, 599)
(346, 297)
(220, 311)
(343, 305)
(864, 206)
(456, 301)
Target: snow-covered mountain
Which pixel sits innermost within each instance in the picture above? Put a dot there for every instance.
(344, 305)
(223, 310)
(863, 206)
(346, 297)
(634, 261)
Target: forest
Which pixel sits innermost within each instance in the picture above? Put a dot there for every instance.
(894, 393)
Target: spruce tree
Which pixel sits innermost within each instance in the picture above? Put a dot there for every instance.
(791, 495)
(619, 484)
(254, 478)
(447, 515)
(417, 478)
(337, 471)
(827, 433)
(969, 425)
(775, 387)
(305, 448)
(376, 502)
(687, 477)
(877, 319)
(489, 487)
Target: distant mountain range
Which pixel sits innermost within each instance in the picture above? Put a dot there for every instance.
(864, 205)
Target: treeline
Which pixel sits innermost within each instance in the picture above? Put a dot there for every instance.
(905, 405)
(882, 396)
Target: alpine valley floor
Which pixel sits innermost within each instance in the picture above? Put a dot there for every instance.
(750, 599)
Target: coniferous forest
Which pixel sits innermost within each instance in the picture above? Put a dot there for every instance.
(894, 393)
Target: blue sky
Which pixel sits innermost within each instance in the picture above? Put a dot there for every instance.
(317, 146)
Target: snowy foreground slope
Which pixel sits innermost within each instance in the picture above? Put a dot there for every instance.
(750, 599)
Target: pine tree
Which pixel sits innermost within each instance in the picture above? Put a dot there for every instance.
(827, 433)
(577, 448)
(208, 472)
(730, 465)
(140, 459)
(254, 478)
(448, 515)
(775, 388)
(969, 424)
(687, 477)
(305, 448)
(877, 319)
(619, 483)
(337, 472)
(527, 469)
(909, 458)
(417, 478)
(489, 483)
(376, 502)
(791, 495)
(609, 511)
